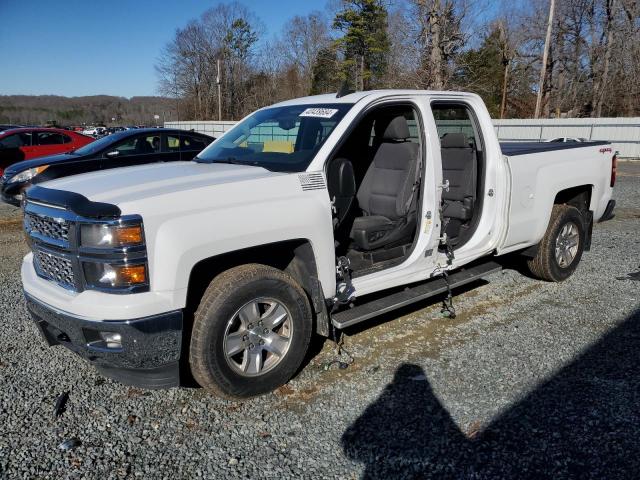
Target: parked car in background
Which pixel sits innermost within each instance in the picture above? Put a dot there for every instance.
(121, 149)
(566, 140)
(20, 144)
(95, 131)
(4, 127)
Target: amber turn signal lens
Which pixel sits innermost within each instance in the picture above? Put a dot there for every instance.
(132, 275)
(129, 235)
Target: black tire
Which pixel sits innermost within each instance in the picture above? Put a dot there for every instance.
(545, 265)
(222, 302)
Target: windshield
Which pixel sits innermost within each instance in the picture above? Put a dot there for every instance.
(98, 145)
(280, 138)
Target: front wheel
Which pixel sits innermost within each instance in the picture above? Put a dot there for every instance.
(560, 250)
(250, 332)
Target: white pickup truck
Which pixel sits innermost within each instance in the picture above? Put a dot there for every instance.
(308, 216)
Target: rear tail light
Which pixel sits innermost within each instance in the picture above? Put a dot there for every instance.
(614, 169)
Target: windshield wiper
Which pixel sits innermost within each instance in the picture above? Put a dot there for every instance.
(234, 161)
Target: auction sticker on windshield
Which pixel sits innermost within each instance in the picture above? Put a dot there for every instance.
(319, 112)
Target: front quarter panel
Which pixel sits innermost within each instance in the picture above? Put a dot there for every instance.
(184, 228)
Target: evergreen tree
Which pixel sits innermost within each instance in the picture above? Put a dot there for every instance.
(481, 70)
(326, 72)
(364, 44)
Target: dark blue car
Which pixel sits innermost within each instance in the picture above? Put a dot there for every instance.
(121, 149)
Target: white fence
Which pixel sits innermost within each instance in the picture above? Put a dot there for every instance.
(623, 133)
(213, 128)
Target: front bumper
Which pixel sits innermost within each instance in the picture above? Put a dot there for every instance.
(11, 194)
(150, 347)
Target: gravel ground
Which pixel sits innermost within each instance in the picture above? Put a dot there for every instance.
(530, 380)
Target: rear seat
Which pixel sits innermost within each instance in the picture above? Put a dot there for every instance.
(459, 167)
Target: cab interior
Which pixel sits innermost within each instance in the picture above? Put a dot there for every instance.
(373, 181)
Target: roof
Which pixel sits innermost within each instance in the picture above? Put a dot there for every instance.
(120, 134)
(357, 96)
(160, 130)
(39, 129)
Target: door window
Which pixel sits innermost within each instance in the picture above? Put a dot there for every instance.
(49, 138)
(143, 145)
(16, 140)
(173, 143)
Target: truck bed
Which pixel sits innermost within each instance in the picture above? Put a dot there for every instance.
(512, 149)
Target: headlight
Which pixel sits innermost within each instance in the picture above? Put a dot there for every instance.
(111, 236)
(27, 175)
(109, 276)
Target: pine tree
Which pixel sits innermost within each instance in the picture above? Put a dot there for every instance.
(364, 44)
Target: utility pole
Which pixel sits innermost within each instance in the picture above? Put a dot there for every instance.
(503, 103)
(545, 56)
(218, 83)
(506, 54)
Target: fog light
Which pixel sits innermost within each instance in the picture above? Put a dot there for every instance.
(111, 339)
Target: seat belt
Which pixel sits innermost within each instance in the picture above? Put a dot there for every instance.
(416, 183)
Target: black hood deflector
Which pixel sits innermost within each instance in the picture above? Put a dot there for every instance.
(74, 202)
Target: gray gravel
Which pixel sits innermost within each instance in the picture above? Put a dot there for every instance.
(530, 380)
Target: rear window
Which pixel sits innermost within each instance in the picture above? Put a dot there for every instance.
(452, 118)
(191, 144)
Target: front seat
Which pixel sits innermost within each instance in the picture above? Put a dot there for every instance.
(387, 195)
(341, 183)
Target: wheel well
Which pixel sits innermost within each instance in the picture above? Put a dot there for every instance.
(579, 197)
(292, 256)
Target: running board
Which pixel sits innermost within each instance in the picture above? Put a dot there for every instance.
(430, 288)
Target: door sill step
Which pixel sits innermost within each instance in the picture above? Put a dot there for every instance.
(429, 288)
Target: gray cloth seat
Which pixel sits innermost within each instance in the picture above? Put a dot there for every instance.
(459, 167)
(386, 195)
(341, 183)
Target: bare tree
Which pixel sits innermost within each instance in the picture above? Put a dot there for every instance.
(302, 39)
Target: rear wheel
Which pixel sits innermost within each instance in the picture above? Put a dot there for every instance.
(560, 250)
(250, 333)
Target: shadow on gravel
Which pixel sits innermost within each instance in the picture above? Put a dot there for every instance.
(582, 423)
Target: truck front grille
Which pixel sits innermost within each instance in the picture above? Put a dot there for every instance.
(48, 227)
(54, 267)
(50, 230)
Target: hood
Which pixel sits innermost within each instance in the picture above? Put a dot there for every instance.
(120, 185)
(38, 162)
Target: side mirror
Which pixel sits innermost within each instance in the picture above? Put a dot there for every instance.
(112, 154)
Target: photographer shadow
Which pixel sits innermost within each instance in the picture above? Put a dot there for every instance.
(582, 423)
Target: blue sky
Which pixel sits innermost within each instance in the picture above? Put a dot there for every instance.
(74, 48)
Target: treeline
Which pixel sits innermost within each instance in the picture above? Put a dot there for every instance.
(224, 64)
(98, 109)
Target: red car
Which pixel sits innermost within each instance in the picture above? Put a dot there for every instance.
(25, 143)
